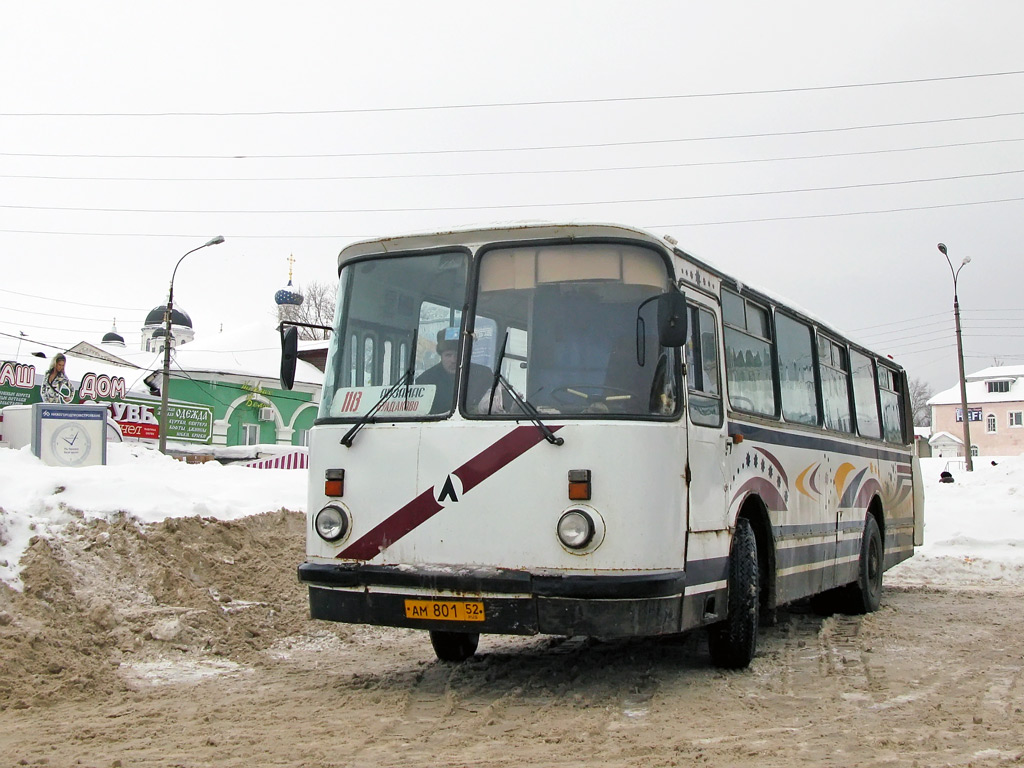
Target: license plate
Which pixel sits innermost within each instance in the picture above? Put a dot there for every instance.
(444, 610)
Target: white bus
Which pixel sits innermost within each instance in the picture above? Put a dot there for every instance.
(583, 430)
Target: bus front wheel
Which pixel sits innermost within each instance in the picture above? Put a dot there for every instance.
(454, 646)
(733, 642)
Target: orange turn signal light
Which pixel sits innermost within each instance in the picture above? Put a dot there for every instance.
(579, 485)
(334, 482)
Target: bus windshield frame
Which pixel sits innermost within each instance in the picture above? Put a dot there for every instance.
(571, 324)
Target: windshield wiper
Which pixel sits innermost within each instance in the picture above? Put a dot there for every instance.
(526, 406)
(405, 381)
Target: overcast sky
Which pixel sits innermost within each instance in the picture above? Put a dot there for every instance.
(818, 150)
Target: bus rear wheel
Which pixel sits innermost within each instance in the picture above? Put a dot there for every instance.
(733, 642)
(865, 594)
(454, 646)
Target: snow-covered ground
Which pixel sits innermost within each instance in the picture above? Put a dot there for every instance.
(39, 500)
(974, 526)
(974, 530)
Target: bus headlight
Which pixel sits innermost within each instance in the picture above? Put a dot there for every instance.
(332, 523)
(580, 530)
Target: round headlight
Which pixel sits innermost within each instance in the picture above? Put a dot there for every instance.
(575, 529)
(331, 523)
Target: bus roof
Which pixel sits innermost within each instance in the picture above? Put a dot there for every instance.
(498, 232)
(526, 231)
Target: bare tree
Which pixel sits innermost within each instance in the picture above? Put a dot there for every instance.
(920, 394)
(317, 308)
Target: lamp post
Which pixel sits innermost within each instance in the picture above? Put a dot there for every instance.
(960, 356)
(167, 346)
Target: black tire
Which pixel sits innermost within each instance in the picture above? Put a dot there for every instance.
(733, 642)
(454, 646)
(865, 594)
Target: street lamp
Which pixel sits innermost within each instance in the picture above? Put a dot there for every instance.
(960, 356)
(167, 346)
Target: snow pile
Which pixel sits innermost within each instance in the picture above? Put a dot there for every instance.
(974, 526)
(137, 482)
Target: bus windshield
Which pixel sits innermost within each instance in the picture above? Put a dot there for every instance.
(568, 325)
(563, 320)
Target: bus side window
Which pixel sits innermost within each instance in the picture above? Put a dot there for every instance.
(835, 385)
(865, 395)
(796, 370)
(748, 355)
(705, 398)
(892, 419)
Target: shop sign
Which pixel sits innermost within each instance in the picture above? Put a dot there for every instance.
(973, 414)
(17, 384)
(189, 423)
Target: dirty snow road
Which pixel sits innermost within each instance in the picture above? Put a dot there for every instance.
(158, 647)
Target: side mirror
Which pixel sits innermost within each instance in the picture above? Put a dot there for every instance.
(672, 318)
(289, 354)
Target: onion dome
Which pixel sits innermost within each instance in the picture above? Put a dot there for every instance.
(288, 296)
(112, 336)
(178, 316)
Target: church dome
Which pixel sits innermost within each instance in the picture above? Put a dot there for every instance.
(289, 296)
(178, 316)
(113, 337)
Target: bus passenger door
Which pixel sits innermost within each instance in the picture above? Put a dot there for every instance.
(707, 440)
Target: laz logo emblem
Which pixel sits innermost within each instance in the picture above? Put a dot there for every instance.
(448, 490)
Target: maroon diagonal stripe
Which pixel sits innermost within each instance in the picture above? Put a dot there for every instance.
(412, 515)
(425, 506)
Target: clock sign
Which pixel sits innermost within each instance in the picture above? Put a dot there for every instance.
(70, 435)
(71, 444)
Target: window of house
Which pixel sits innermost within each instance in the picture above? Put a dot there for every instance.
(998, 386)
(250, 434)
(990, 423)
(974, 450)
(748, 355)
(1016, 418)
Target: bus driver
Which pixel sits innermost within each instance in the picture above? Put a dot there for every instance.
(442, 376)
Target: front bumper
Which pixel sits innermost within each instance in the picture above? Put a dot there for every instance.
(515, 602)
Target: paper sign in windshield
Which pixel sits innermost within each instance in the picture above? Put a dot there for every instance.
(407, 401)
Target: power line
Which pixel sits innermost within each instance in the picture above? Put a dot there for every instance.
(829, 215)
(538, 103)
(68, 301)
(20, 324)
(944, 326)
(538, 148)
(51, 314)
(680, 225)
(898, 322)
(936, 314)
(514, 172)
(948, 348)
(511, 206)
(229, 385)
(903, 329)
(65, 348)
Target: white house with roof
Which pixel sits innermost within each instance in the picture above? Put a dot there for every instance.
(995, 410)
